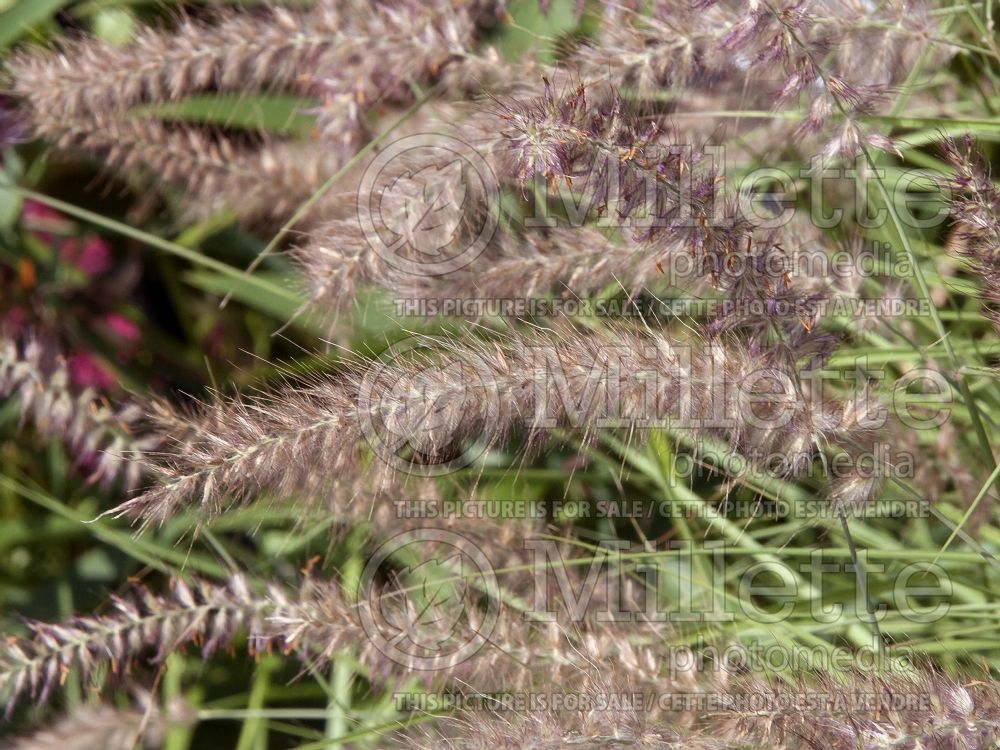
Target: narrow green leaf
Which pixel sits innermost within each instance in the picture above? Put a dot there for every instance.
(271, 113)
(24, 16)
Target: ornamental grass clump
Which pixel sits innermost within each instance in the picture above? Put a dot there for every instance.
(503, 308)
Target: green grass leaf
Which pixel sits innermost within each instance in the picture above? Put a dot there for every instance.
(271, 113)
(24, 16)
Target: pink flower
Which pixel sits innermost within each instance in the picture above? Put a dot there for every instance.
(33, 211)
(123, 327)
(87, 372)
(43, 222)
(92, 255)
